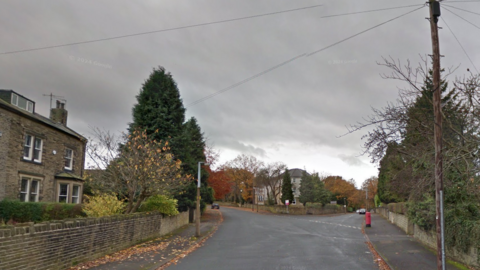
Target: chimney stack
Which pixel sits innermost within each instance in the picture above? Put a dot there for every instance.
(59, 114)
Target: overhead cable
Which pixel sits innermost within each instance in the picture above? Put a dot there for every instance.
(192, 26)
(289, 61)
(460, 44)
(461, 17)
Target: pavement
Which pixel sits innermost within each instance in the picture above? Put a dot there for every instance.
(399, 250)
(159, 253)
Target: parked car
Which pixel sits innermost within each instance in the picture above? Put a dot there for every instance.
(215, 205)
(362, 211)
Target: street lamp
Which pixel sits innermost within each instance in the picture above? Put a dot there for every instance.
(197, 218)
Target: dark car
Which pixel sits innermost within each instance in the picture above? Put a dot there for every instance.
(215, 205)
(361, 211)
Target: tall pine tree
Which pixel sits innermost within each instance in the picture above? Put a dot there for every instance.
(160, 112)
(287, 193)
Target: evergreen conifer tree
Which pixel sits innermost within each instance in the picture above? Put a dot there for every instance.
(287, 193)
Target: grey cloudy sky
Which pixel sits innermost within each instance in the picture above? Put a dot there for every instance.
(293, 114)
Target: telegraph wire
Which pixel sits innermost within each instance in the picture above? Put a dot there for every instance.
(460, 44)
(462, 9)
(194, 25)
(245, 80)
(288, 61)
(470, 1)
(367, 11)
(364, 31)
(461, 17)
(159, 31)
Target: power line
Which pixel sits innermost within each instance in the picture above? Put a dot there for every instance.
(245, 80)
(462, 9)
(367, 11)
(461, 17)
(466, 1)
(287, 62)
(196, 25)
(460, 44)
(159, 31)
(364, 31)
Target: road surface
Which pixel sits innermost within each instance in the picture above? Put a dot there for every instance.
(247, 240)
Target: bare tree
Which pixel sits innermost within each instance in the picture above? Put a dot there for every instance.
(270, 177)
(406, 128)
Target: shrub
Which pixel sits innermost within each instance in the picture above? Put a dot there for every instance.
(377, 201)
(102, 205)
(160, 203)
(58, 211)
(17, 211)
(422, 213)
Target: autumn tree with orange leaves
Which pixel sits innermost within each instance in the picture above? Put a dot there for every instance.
(136, 167)
(242, 171)
(342, 188)
(370, 184)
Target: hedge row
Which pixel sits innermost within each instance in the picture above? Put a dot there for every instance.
(19, 212)
(399, 208)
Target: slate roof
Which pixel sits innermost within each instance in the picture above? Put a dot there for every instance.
(297, 173)
(41, 119)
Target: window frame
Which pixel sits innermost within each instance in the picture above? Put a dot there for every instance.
(14, 96)
(77, 197)
(67, 197)
(70, 168)
(70, 196)
(29, 106)
(29, 192)
(32, 148)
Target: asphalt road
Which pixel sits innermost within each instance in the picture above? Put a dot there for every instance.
(248, 240)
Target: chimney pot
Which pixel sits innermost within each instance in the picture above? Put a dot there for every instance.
(59, 114)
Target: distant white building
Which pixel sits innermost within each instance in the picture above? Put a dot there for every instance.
(295, 175)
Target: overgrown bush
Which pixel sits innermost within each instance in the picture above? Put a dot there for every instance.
(16, 211)
(160, 203)
(101, 205)
(377, 201)
(399, 208)
(19, 212)
(58, 211)
(422, 213)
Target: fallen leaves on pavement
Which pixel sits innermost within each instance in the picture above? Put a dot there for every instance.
(382, 265)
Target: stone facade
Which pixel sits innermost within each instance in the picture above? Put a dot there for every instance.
(62, 244)
(49, 170)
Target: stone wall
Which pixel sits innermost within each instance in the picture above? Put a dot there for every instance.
(295, 210)
(428, 238)
(58, 245)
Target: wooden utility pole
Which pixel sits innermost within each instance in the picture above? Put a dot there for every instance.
(437, 111)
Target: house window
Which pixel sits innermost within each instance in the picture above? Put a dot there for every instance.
(76, 194)
(30, 106)
(68, 159)
(22, 103)
(14, 100)
(29, 189)
(32, 149)
(37, 151)
(63, 193)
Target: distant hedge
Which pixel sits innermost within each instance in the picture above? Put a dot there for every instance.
(399, 208)
(19, 212)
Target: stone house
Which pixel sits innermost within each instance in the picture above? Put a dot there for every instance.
(41, 159)
(296, 177)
